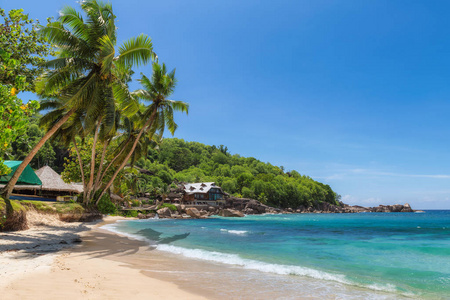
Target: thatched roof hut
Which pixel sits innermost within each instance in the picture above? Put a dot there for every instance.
(52, 181)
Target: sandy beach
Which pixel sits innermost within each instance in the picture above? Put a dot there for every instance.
(76, 261)
(56, 260)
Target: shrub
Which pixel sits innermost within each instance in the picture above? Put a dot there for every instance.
(170, 206)
(135, 203)
(105, 205)
(131, 213)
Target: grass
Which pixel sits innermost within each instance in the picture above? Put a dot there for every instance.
(54, 207)
(17, 206)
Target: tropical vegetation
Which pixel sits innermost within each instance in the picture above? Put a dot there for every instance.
(98, 132)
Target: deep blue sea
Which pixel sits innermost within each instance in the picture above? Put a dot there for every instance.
(405, 254)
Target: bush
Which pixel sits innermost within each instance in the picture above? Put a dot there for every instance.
(105, 206)
(135, 203)
(131, 213)
(170, 206)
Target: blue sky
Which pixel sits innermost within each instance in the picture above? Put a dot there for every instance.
(352, 93)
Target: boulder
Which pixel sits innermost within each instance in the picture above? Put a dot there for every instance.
(249, 211)
(150, 215)
(193, 212)
(256, 206)
(164, 212)
(141, 216)
(230, 213)
(396, 208)
(178, 206)
(407, 208)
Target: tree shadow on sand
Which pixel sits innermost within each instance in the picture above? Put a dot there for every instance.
(48, 240)
(102, 244)
(97, 243)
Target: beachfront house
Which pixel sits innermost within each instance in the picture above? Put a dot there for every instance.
(203, 193)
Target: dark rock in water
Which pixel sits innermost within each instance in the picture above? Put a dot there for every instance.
(407, 208)
(230, 213)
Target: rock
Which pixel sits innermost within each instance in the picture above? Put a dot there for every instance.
(396, 208)
(150, 215)
(185, 216)
(193, 212)
(183, 207)
(164, 212)
(249, 211)
(230, 213)
(178, 206)
(407, 208)
(256, 206)
(141, 216)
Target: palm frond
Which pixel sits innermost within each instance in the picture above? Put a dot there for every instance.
(136, 51)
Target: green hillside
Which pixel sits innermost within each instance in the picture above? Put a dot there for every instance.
(177, 160)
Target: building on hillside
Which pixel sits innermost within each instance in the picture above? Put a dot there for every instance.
(203, 193)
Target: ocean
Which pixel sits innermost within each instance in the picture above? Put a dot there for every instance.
(366, 255)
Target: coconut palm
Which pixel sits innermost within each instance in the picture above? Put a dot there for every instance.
(159, 114)
(88, 72)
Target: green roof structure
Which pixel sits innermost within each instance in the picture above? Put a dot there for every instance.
(28, 177)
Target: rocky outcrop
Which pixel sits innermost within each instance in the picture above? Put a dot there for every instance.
(230, 213)
(239, 207)
(345, 208)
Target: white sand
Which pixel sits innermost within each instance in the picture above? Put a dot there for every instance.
(48, 262)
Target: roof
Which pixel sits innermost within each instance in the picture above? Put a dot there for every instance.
(28, 176)
(52, 181)
(200, 187)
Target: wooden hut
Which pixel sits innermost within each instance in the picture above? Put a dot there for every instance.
(52, 186)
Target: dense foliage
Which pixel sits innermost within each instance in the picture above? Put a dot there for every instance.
(22, 50)
(240, 176)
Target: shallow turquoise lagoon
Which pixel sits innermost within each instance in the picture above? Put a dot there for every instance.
(400, 253)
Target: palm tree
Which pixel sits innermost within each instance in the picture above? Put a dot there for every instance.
(158, 114)
(87, 74)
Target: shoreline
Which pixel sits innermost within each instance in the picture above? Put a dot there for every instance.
(111, 265)
(94, 268)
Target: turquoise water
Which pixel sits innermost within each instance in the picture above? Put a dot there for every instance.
(400, 253)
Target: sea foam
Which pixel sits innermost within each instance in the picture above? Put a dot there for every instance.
(239, 232)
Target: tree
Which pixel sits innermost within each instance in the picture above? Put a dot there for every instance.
(26, 50)
(86, 75)
(159, 113)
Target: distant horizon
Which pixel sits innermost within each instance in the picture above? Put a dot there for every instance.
(353, 94)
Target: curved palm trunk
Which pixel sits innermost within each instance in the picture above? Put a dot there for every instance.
(100, 168)
(88, 189)
(80, 162)
(7, 190)
(114, 159)
(108, 185)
